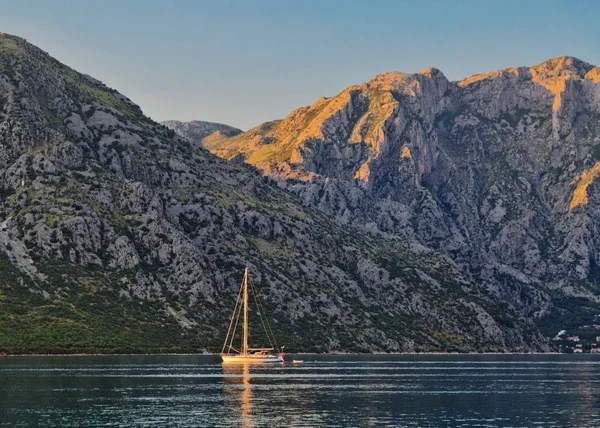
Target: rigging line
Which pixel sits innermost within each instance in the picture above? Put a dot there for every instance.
(237, 321)
(238, 308)
(232, 318)
(271, 330)
(260, 311)
(269, 326)
(266, 319)
(231, 322)
(234, 322)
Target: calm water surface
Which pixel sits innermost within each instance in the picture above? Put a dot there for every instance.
(490, 391)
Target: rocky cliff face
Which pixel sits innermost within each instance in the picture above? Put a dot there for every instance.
(497, 171)
(201, 132)
(118, 235)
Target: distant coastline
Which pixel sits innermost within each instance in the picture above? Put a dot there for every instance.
(292, 353)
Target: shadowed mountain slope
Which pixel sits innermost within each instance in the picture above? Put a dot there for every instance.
(118, 235)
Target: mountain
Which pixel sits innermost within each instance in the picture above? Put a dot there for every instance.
(497, 171)
(117, 235)
(202, 132)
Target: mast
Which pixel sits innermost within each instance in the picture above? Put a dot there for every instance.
(245, 342)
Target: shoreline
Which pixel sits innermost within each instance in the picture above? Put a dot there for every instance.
(291, 353)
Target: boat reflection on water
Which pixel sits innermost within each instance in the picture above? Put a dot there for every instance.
(238, 387)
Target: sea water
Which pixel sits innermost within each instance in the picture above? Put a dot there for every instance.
(349, 390)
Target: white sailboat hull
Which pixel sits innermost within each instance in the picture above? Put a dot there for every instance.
(255, 359)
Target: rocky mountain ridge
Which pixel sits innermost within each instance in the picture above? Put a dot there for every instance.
(497, 171)
(201, 132)
(116, 235)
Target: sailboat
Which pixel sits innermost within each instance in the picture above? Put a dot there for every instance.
(245, 354)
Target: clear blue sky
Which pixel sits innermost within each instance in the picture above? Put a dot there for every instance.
(245, 62)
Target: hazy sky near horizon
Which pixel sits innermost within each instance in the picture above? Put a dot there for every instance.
(246, 62)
